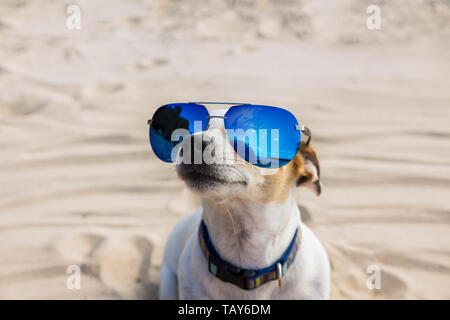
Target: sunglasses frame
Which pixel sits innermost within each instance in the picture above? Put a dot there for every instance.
(305, 130)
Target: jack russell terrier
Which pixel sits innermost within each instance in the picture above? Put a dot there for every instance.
(247, 240)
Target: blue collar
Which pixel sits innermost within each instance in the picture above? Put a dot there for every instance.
(246, 279)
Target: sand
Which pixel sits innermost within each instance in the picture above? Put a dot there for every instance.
(81, 186)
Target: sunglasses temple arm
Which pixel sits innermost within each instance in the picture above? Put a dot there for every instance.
(149, 121)
(306, 132)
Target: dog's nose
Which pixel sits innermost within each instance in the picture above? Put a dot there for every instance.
(198, 144)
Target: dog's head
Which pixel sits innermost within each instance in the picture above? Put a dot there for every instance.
(222, 175)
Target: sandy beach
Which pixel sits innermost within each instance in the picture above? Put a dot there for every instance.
(81, 186)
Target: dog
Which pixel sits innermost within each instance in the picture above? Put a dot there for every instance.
(250, 219)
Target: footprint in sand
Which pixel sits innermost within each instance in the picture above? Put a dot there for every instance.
(349, 276)
(121, 264)
(392, 286)
(124, 264)
(27, 106)
(79, 248)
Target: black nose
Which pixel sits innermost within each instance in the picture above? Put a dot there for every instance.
(193, 149)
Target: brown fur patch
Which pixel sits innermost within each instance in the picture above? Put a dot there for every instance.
(307, 153)
(276, 186)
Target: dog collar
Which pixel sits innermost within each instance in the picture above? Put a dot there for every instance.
(246, 279)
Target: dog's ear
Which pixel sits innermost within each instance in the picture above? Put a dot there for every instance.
(307, 168)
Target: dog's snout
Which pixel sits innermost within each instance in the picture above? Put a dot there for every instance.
(197, 145)
(204, 143)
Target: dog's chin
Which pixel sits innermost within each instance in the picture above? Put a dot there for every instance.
(209, 180)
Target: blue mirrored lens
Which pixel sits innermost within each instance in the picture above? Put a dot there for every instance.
(263, 135)
(171, 123)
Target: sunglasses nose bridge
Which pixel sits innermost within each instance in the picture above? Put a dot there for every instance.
(209, 117)
(216, 117)
(214, 122)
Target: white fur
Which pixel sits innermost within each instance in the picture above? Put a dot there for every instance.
(247, 234)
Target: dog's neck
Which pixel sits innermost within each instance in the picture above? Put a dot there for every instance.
(251, 235)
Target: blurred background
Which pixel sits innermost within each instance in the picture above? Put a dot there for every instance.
(80, 186)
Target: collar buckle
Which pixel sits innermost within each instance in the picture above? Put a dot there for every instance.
(279, 274)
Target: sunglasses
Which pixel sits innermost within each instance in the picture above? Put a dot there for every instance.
(265, 136)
